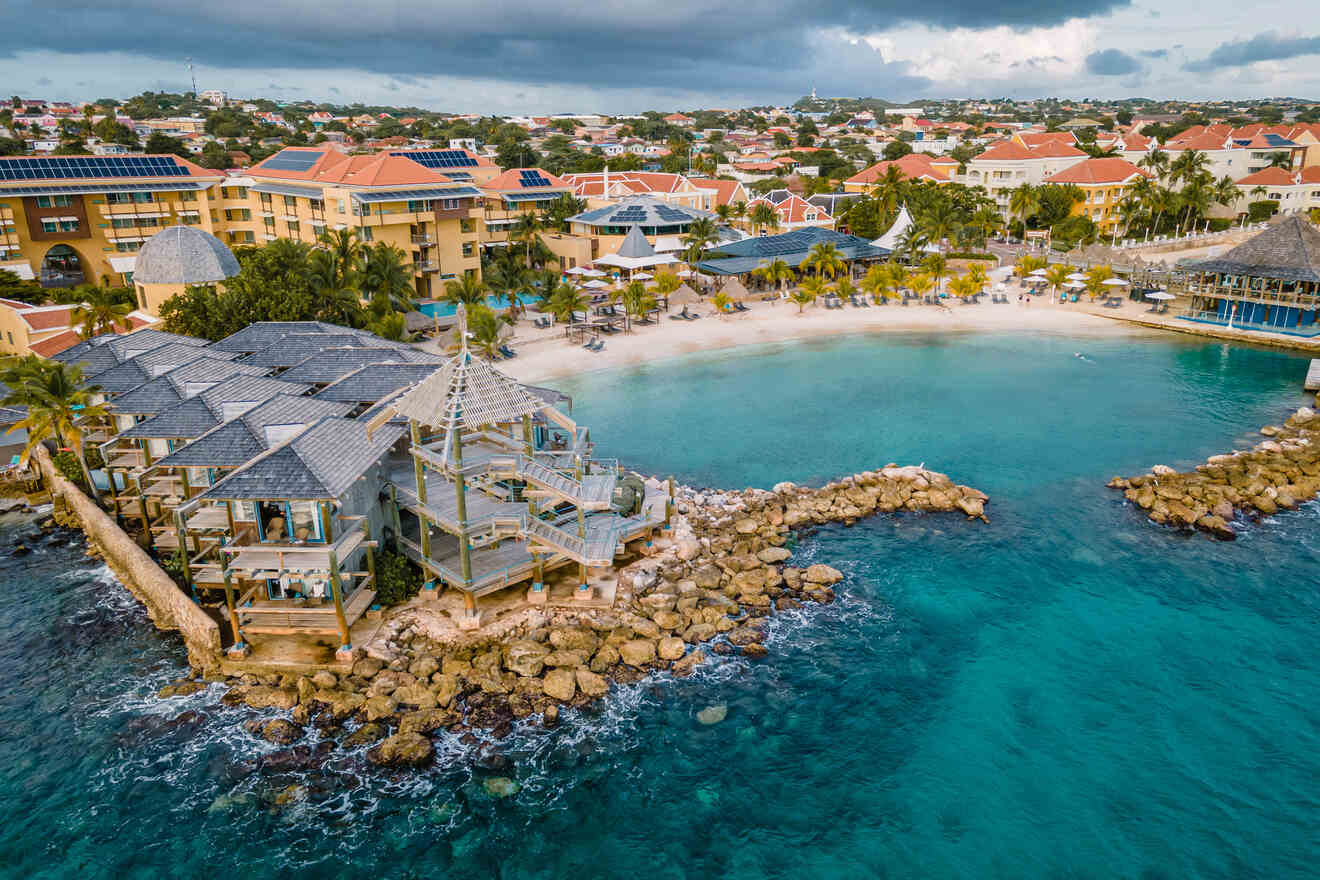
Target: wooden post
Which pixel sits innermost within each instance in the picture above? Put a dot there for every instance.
(371, 562)
(337, 589)
(419, 470)
(460, 489)
(527, 433)
(394, 512)
(669, 505)
(327, 524)
(233, 612)
(182, 552)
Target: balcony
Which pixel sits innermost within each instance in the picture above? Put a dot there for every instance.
(424, 239)
(427, 266)
(452, 213)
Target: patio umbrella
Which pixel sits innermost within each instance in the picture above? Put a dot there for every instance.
(1159, 295)
(1074, 285)
(593, 273)
(1037, 272)
(642, 276)
(577, 270)
(684, 296)
(595, 284)
(1076, 276)
(1115, 282)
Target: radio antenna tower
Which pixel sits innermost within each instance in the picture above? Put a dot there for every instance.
(193, 75)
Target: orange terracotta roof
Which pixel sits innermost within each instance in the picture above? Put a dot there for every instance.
(1109, 169)
(1036, 138)
(913, 166)
(794, 210)
(47, 318)
(1204, 142)
(53, 345)
(1311, 174)
(512, 179)
(1005, 151)
(725, 190)
(17, 305)
(1055, 150)
(1272, 176)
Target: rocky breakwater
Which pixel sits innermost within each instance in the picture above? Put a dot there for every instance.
(709, 586)
(1279, 473)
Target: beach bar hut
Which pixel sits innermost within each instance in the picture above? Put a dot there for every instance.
(1270, 282)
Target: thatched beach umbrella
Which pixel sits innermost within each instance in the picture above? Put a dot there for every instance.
(684, 296)
(735, 290)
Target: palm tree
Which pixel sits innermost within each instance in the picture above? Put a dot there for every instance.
(987, 219)
(1024, 201)
(346, 252)
(963, 286)
(1226, 192)
(527, 230)
(912, 242)
(340, 299)
(940, 222)
(1026, 264)
(1281, 160)
(724, 212)
(739, 210)
(1157, 161)
(101, 312)
(385, 271)
(484, 326)
(566, 300)
(466, 289)
(844, 288)
(1162, 199)
(814, 287)
(920, 284)
(637, 301)
(936, 266)
(1056, 275)
(763, 217)
(802, 296)
(722, 302)
(1189, 165)
(976, 272)
(1096, 277)
(876, 282)
(666, 283)
(776, 272)
(1196, 196)
(898, 276)
(888, 190)
(701, 233)
(56, 399)
(825, 259)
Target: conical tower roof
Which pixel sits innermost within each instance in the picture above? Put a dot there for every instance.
(467, 392)
(635, 244)
(894, 235)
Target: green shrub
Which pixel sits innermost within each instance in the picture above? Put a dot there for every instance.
(970, 255)
(67, 464)
(397, 579)
(1219, 224)
(1262, 210)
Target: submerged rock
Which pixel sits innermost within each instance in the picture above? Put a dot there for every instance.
(713, 714)
(402, 750)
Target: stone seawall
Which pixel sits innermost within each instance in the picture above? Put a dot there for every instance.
(170, 608)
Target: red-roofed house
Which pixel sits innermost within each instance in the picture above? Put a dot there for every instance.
(45, 330)
(601, 187)
(1295, 191)
(513, 194)
(727, 192)
(793, 211)
(1104, 181)
(913, 166)
(1008, 164)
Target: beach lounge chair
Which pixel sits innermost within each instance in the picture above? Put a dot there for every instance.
(1074, 298)
(507, 352)
(599, 346)
(589, 344)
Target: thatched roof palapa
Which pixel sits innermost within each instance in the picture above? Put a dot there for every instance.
(1289, 251)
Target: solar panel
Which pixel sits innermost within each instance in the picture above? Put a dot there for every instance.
(533, 178)
(75, 167)
(292, 160)
(439, 159)
(92, 188)
(402, 195)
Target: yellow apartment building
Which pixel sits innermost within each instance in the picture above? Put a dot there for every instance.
(1104, 182)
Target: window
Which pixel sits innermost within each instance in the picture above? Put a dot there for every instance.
(290, 203)
(188, 195)
(415, 207)
(367, 234)
(127, 247)
(467, 248)
(54, 201)
(128, 198)
(189, 219)
(238, 214)
(52, 226)
(341, 206)
(122, 222)
(316, 204)
(467, 224)
(294, 226)
(234, 192)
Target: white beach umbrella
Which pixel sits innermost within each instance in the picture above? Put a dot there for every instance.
(1074, 285)
(1159, 295)
(595, 284)
(1115, 282)
(1076, 276)
(592, 273)
(577, 270)
(1037, 272)
(642, 276)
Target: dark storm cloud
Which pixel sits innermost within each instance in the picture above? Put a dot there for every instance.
(1269, 46)
(1111, 62)
(680, 44)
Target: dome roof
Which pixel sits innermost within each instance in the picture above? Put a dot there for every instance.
(184, 255)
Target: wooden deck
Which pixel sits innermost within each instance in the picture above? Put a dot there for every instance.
(1313, 376)
(285, 619)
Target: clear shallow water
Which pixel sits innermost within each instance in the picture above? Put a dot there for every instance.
(1067, 692)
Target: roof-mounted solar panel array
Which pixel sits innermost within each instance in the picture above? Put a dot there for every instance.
(532, 178)
(66, 167)
(292, 160)
(439, 160)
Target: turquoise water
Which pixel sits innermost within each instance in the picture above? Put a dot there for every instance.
(445, 309)
(1066, 692)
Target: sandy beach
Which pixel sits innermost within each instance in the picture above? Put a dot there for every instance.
(546, 353)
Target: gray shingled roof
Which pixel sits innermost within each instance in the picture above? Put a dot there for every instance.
(320, 464)
(109, 350)
(635, 244)
(197, 415)
(333, 364)
(370, 383)
(294, 349)
(153, 395)
(184, 255)
(263, 334)
(1289, 250)
(237, 442)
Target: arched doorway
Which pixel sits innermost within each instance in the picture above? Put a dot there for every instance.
(62, 267)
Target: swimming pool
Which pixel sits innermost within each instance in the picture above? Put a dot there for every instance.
(438, 309)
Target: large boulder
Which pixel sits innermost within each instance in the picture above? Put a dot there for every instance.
(591, 684)
(573, 638)
(381, 706)
(426, 721)
(366, 735)
(671, 648)
(637, 652)
(822, 574)
(667, 620)
(325, 679)
(280, 731)
(424, 667)
(560, 684)
(526, 657)
(557, 659)
(416, 695)
(771, 555)
(445, 687)
(402, 750)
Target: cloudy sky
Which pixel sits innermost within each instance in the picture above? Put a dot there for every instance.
(513, 56)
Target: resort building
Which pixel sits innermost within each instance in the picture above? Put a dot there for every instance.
(1270, 282)
(603, 229)
(1009, 164)
(514, 194)
(746, 256)
(1103, 183)
(1294, 190)
(600, 187)
(70, 220)
(47, 330)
